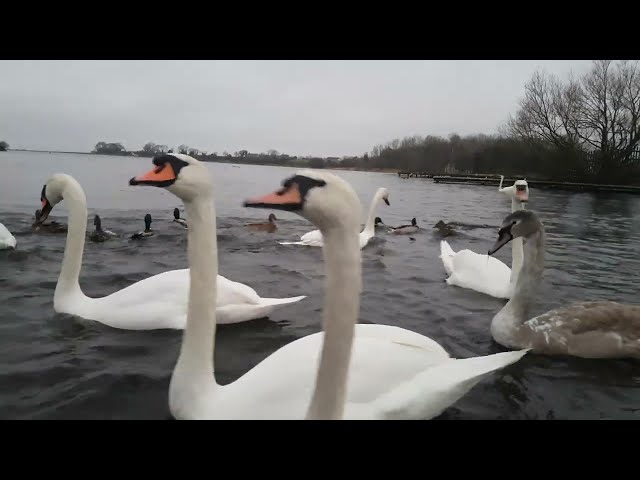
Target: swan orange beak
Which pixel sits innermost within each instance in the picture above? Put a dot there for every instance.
(285, 199)
(161, 176)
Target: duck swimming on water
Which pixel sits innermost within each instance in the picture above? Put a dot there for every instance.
(147, 229)
(177, 219)
(51, 227)
(100, 235)
(404, 229)
(444, 229)
(270, 226)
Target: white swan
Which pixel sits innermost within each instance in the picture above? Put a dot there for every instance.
(596, 329)
(7, 240)
(482, 273)
(392, 372)
(156, 302)
(314, 237)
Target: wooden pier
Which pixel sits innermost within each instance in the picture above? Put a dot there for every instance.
(494, 181)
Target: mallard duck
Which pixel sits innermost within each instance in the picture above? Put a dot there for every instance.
(100, 235)
(147, 229)
(177, 219)
(270, 226)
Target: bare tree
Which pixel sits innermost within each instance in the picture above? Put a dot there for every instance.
(597, 114)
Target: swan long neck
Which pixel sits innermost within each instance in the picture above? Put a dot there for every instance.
(68, 286)
(517, 253)
(343, 285)
(529, 280)
(194, 369)
(369, 227)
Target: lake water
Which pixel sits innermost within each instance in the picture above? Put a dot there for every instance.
(58, 366)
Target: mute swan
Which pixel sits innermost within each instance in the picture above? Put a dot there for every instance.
(100, 235)
(392, 373)
(404, 229)
(7, 240)
(177, 219)
(156, 302)
(483, 273)
(270, 226)
(314, 238)
(596, 329)
(147, 232)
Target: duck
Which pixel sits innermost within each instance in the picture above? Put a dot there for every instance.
(270, 226)
(378, 223)
(484, 273)
(445, 229)
(7, 240)
(147, 232)
(404, 229)
(177, 219)
(156, 302)
(314, 238)
(100, 235)
(347, 371)
(590, 329)
(51, 227)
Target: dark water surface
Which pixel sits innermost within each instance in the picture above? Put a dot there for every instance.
(58, 366)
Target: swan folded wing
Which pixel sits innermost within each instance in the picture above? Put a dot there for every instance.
(159, 301)
(234, 293)
(591, 316)
(282, 384)
(481, 273)
(401, 336)
(428, 393)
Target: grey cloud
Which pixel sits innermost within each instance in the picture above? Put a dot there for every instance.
(327, 108)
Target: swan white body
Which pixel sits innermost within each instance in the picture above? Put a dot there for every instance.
(314, 238)
(7, 240)
(156, 302)
(483, 273)
(392, 373)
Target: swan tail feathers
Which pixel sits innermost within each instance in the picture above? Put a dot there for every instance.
(446, 255)
(274, 302)
(429, 393)
(228, 314)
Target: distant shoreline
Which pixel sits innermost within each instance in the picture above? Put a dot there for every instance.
(353, 169)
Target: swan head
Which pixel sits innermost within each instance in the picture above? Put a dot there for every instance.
(52, 193)
(519, 191)
(182, 175)
(323, 198)
(521, 223)
(383, 194)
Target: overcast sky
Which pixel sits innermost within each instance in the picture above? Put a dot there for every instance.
(324, 108)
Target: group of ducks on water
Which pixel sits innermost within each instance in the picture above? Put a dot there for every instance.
(100, 234)
(348, 370)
